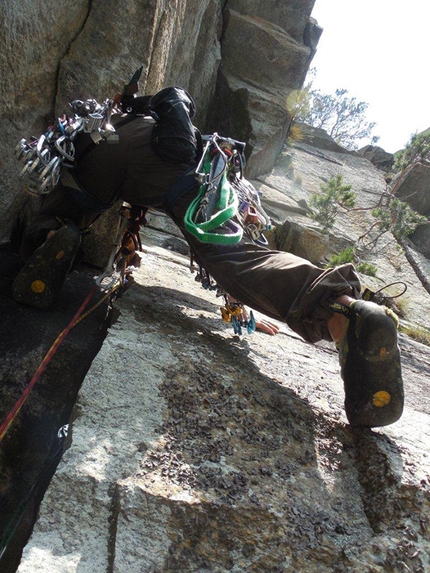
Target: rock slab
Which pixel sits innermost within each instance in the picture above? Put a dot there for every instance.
(195, 450)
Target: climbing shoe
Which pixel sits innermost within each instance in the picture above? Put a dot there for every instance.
(42, 277)
(369, 357)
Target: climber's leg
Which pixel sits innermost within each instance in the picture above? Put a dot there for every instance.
(309, 300)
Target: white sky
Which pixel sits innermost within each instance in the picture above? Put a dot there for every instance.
(378, 51)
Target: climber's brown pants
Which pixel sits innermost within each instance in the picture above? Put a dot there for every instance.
(276, 283)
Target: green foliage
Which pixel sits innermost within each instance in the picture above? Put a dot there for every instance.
(345, 256)
(398, 218)
(341, 116)
(418, 149)
(367, 269)
(325, 206)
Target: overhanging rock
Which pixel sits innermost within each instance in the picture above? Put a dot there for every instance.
(261, 66)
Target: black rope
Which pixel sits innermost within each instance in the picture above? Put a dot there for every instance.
(370, 295)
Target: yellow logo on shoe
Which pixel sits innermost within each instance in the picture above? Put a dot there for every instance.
(37, 286)
(381, 399)
(383, 353)
(59, 255)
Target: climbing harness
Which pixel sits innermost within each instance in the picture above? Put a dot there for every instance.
(174, 138)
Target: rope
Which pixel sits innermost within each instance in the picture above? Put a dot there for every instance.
(4, 427)
(98, 303)
(14, 522)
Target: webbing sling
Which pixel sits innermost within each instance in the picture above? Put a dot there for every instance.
(209, 216)
(211, 231)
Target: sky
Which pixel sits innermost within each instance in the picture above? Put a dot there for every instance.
(378, 51)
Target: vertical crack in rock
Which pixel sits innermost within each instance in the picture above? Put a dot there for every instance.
(67, 51)
(159, 21)
(377, 479)
(393, 500)
(113, 525)
(224, 21)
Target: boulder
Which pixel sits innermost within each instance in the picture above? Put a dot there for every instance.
(318, 138)
(378, 156)
(413, 187)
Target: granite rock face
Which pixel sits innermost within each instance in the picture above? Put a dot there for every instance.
(190, 449)
(55, 52)
(195, 450)
(29, 88)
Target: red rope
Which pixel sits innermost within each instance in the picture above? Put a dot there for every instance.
(4, 427)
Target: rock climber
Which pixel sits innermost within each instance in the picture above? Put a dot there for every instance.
(318, 304)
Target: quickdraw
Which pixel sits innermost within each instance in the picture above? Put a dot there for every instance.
(236, 314)
(43, 157)
(252, 217)
(233, 312)
(226, 208)
(203, 277)
(123, 258)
